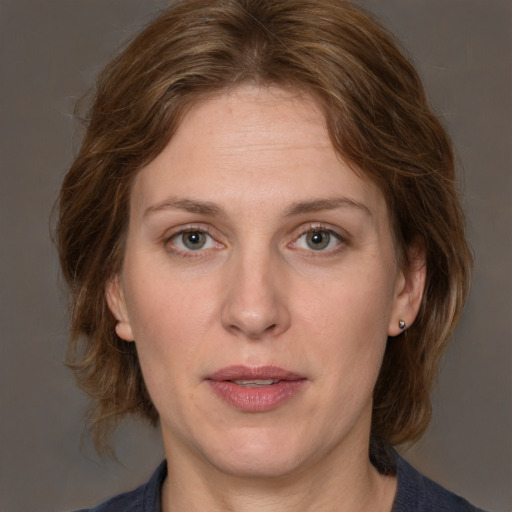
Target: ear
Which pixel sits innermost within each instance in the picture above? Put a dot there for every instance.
(117, 305)
(410, 284)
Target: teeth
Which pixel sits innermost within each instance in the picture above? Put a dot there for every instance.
(255, 383)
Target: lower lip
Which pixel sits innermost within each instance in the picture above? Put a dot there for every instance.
(256, 399)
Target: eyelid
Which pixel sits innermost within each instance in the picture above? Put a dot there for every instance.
(343, 239)
(188, 228)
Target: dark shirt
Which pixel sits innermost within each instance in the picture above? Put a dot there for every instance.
(415, 493)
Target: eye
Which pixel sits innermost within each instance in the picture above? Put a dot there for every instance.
(317, 240)
(192, 240)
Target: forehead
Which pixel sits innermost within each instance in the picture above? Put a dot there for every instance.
(253, 143)
(251, 120)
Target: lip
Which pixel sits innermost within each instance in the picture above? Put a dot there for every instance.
(255, 399)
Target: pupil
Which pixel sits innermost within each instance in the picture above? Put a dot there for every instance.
(318, 240)
(194, 239)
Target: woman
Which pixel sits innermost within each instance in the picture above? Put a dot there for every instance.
(266, 255)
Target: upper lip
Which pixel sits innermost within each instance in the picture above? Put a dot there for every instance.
(253, 373)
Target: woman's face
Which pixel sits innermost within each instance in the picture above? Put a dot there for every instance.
(260, 285)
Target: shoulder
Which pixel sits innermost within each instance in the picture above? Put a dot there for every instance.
(126, 502)
(145, 498)
(420, 494)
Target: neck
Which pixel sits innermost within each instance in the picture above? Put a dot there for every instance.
(330, 484)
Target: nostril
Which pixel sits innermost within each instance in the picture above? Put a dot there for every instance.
(253, 308)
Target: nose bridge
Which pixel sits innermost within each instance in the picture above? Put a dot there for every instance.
(255, 301)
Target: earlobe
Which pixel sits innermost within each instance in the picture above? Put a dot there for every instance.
(410, 285)
(117, 305)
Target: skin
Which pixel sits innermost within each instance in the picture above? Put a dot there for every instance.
(254, 175)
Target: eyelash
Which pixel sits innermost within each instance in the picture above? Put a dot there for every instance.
(312, 228)
(190, 253)
(320, 228)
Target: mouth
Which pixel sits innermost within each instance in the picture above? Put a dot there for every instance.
(266, 375)
(256, 389)
(255, 383)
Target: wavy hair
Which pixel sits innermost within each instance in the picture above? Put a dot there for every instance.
(378, 119)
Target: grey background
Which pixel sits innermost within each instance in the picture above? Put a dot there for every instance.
(50, 52)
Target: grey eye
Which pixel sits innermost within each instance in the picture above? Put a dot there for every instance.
(193, 239)
(318, 240)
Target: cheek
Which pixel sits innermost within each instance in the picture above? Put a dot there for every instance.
(360, 304)
(170, 320)
(347, 321)
(160, 302)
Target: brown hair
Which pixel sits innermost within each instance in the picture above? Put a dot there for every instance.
(378, 119)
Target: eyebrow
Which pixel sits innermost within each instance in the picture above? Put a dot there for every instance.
(302, 207)
(326, 204)
(189, 205)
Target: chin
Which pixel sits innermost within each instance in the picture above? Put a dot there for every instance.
(263, 454)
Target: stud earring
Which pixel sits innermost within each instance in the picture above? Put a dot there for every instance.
(402, 325)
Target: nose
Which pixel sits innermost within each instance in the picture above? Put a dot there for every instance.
(255, 305)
